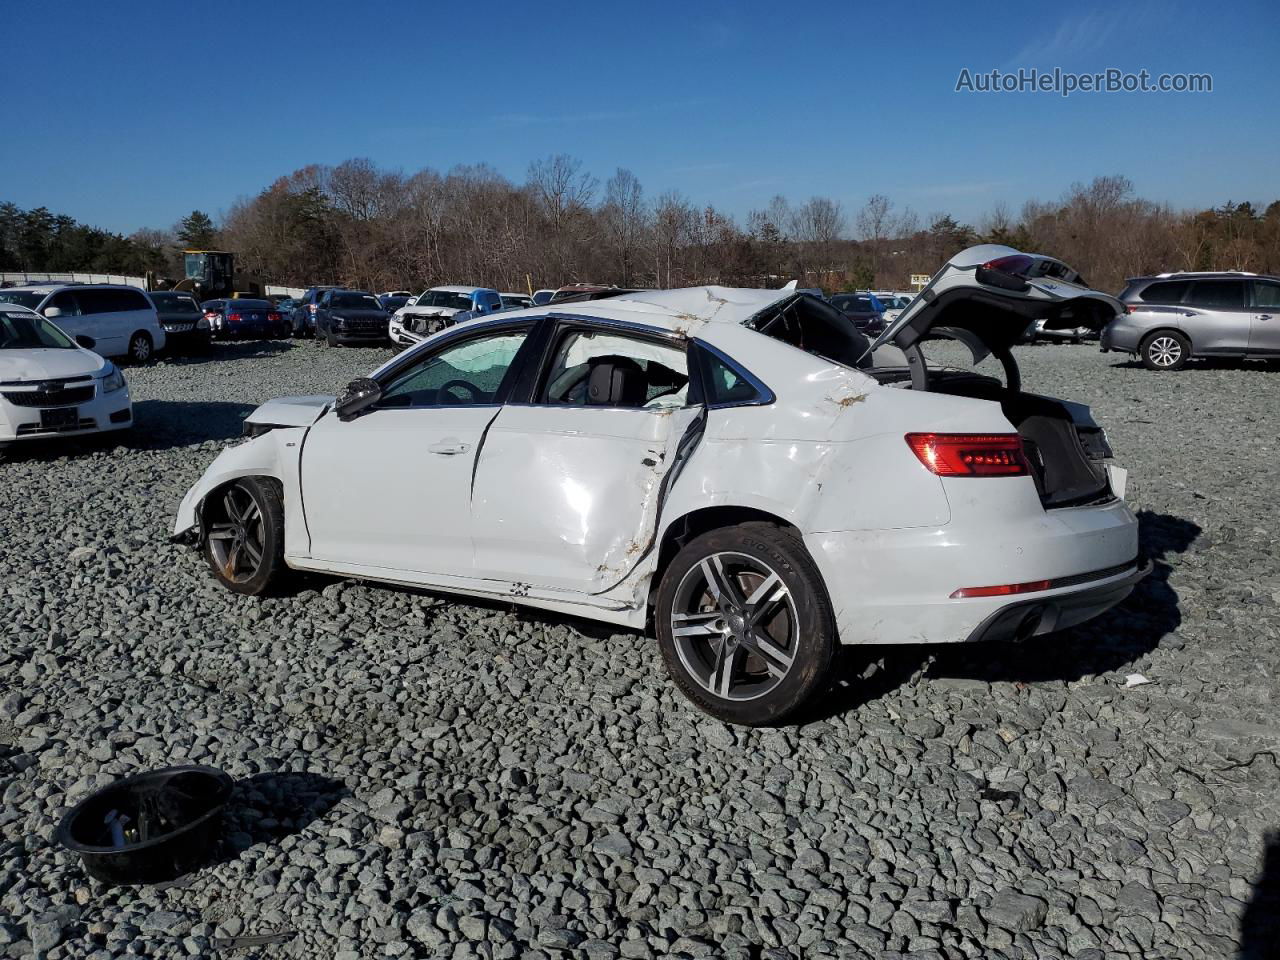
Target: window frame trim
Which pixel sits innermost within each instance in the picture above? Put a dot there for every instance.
(559, 324)
(462, 335)
(764, 395)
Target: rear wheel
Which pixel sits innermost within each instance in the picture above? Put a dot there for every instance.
(1165, 350)
(140, 347)
(244, 535)
(744, 623)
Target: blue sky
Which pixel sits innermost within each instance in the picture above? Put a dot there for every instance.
(124, 115)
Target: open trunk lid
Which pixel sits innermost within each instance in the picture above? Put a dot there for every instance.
(987, 295)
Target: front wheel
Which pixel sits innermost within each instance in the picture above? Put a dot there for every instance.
(140, 347)
(244, 535)
(1165, 350)
(744, 623)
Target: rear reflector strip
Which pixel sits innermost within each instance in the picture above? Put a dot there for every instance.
(1036, 586)
(1004, 590)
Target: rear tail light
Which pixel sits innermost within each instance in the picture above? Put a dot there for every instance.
(1132, 307)
(273, 316)
(233, 318)
(1008, 273)
(970, 454)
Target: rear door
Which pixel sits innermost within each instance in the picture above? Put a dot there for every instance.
(1264, 329)
(569, 484)
(1217, 316)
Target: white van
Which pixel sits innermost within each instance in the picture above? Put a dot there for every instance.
(119, 320)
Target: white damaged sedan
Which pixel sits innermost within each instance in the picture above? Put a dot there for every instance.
(736, 468)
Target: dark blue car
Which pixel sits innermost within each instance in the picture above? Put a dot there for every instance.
(244, 319)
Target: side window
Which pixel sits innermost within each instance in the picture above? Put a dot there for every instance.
(1266, 295)
(96, 301)
(1169, 291)
(131, 300)
(728, 384)
(597, 368)
(66, 302)
(470, 372)
(1217, 294)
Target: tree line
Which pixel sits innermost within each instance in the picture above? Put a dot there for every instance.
(361, 226)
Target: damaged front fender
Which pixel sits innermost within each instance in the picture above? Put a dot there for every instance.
(274, 454)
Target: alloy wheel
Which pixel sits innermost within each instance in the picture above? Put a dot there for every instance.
(236, 542)
(1165, 351)
(140, 349)
(735, 626)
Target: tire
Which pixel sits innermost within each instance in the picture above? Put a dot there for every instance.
(774, 666)
(141, 348)
(1165, 350)
(241, 519)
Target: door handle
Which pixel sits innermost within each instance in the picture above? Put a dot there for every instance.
(449, 446)
(1265, 316)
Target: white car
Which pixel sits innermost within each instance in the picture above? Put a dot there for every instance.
(51, 386)
(722, 464)
(893, 303)
(433, 310)
(119, 319)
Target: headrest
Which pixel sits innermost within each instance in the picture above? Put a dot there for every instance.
(616, 382)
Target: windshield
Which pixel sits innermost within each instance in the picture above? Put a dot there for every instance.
(445, 298)
(354, 301)
(24, 298)
(30, 331)
(195, 266)
(174, 303)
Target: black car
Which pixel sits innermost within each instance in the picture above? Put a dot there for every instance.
(351, 316)
(864, 309)
(242, 318)
(186, 329)
(391, 302)
(303, 316)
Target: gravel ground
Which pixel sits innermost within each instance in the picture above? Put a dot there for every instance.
(425, 778)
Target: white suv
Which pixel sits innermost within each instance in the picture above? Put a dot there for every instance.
(118, 320)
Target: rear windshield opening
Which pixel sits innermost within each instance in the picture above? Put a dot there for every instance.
(815, 327)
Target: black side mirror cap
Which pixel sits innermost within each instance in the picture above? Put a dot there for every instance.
(87, 342)
(361, 394)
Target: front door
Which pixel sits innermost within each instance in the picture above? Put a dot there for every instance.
(1264, 331)
(391, 489)
(568, 487)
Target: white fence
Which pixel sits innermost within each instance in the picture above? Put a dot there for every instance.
(29, 278)
(26, 278)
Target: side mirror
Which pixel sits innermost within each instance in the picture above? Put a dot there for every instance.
(52, 313)
(87, 342)
(360, 395)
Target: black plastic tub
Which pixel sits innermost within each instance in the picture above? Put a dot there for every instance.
(148, 828)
